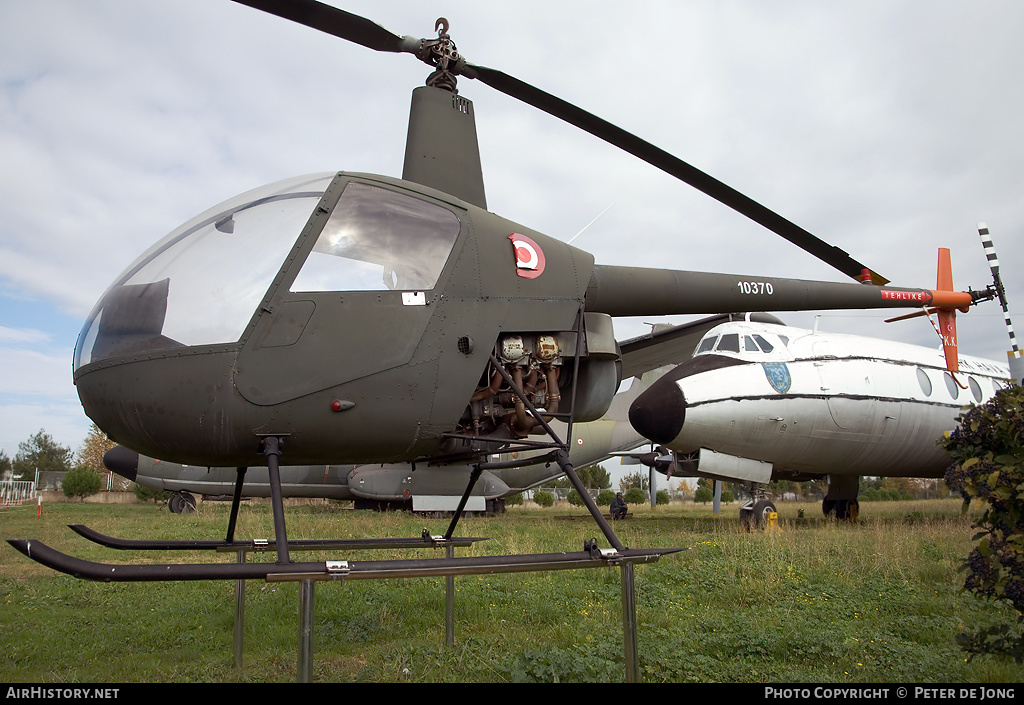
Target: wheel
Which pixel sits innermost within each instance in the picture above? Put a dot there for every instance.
(756, 517)
(182, 503)
(841, 509)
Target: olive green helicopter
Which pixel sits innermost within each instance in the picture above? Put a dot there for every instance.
(397, 320)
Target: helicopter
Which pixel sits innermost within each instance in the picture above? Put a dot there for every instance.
(397, 320)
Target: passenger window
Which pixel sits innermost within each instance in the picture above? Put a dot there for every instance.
(975, 388)
(952, 386)
(926, 384)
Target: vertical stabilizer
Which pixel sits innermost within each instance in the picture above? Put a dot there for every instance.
(441, 149)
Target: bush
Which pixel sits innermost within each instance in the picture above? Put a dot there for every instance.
(514, 500)
(148, 494)
(634, 495)
(662, 497)
(605, 498)
(81, 482)
(987, 448)
(544, 499)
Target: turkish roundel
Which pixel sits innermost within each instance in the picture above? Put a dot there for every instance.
(529, 256)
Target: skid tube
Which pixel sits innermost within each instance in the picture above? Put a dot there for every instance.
(591, 557)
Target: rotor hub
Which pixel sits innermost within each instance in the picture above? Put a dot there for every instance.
(442, 54)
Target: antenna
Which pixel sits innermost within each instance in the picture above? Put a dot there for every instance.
(1016, 359)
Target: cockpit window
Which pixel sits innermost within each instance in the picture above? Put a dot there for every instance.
(730, 342)
(201, 283)
(706, 345)
(765, 345)
(378, 239)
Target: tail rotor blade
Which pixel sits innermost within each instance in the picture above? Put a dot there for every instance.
(993, 263)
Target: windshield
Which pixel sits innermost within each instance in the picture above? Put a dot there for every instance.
(201, 283)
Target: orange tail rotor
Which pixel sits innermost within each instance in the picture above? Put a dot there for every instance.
(947, 317)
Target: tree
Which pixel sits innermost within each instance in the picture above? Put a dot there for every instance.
(40, 452)
(987, 448)
(633, 479)
(93, 447)
(5, 465)
(81, 482)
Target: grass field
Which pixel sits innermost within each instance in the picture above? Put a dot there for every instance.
(815, 601)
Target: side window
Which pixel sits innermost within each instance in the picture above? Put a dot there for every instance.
(378, 239)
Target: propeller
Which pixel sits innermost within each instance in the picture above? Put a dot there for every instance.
(354, 28)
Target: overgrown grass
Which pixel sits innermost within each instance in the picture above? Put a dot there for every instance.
(814, 601)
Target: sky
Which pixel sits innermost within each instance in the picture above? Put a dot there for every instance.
(887, 128)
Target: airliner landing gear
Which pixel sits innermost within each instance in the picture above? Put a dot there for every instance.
(182, 503)
(754, 512)
(841, 500)
(841, 509)
(754, 515)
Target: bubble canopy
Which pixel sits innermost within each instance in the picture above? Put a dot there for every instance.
(202, 283)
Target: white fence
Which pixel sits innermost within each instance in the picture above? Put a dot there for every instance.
(15, 492)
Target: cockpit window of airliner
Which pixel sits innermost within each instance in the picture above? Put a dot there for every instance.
(201, 284)
(378, 239)
(706, 345)
(765, 345)
(730, 342)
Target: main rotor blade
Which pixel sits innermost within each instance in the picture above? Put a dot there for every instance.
(338, 23)
(360, 30)
(674, 166)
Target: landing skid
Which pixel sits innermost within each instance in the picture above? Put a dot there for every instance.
(330, 570)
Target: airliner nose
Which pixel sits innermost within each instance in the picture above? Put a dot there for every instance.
(658, 413)
(123, 461)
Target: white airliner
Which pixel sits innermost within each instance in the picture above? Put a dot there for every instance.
(761, 401)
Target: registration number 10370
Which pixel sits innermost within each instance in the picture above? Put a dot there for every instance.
(755, 288)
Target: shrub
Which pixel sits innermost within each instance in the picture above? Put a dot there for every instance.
(987, 448)
(544, 499)
(605, 497)
(662, 497)
(634, 495)
(81, 482)
(148, 494)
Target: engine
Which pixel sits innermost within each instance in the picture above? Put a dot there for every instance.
(543, 366)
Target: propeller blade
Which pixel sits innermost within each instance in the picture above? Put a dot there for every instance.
(674, 166)
(335, 22)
